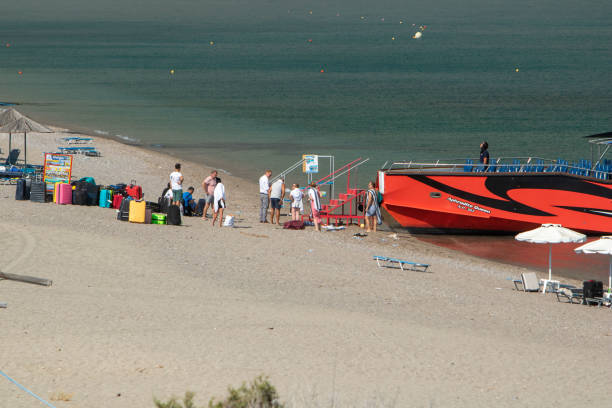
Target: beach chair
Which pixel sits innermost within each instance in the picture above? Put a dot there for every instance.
(529, 282)
(387, 262)
(569, 294)
(12, 157)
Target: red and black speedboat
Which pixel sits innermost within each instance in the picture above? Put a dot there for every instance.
(510, 195)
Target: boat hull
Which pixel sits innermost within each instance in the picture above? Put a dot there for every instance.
(495, 203)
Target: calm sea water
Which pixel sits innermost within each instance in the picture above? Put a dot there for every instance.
(248, 93)
(255, 97)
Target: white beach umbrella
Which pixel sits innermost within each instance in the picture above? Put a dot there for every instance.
(550, 234)
(601, 246)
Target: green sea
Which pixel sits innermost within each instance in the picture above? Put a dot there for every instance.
(250, 86)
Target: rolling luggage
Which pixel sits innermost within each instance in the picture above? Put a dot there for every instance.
(93, 194)
(153, 206)
(37, 192)
(79, 197)
(158, 218)
(20, 192)
(64, 193)
(137, 211)
(174, 215)
(134, 190)
(117, 199)
(55, 192)
(124, 211)
(106, 198)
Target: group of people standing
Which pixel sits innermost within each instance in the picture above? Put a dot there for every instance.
(271, 196)
(214, 198)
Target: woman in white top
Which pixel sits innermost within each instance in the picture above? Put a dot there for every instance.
(219, 202)
(296, 202)
(315, 205)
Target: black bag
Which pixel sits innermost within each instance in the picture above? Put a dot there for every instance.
(174, 215)
(164, 203)
(153, 206)
(592, 289)
(124, 210)
(37, 191)
(93, 194)
(20, 192)
(79, 197)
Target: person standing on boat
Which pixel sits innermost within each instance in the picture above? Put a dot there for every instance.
(484, 155)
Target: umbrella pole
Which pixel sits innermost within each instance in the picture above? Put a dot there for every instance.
(10, 144)
(610, 275)
(25, 149)
(549, 261)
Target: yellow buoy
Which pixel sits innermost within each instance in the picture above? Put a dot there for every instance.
(171, 72)
(393, 38)
(517, 70)
(212, 43)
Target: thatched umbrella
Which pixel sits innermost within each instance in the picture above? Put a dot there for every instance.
(11, 121)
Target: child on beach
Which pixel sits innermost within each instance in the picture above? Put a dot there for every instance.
(296, 202)
(219, 202)
(176, 183)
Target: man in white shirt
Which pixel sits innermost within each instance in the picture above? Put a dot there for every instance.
(264, 188)
(277, 194)
(176, 184)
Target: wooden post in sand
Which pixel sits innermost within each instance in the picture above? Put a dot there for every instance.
(26, 279)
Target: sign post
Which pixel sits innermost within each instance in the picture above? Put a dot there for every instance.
(57, 168)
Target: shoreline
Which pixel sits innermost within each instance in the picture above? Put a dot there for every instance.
(140, 311)
(570, 275)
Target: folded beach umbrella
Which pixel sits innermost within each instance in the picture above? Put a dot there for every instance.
(12, 121)
(601, 246)
(550, 234)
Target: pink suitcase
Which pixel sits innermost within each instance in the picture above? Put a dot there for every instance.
(65, 194)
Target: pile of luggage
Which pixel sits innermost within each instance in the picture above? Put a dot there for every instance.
(127, 199)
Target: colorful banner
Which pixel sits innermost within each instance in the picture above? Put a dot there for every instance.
(311, 163)
(58, 168)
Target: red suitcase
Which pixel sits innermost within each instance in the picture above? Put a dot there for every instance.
(117, 199)
(134, 191)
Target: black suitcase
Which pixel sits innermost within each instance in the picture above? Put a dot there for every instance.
(592, 289)
(28, 188)
(93, 194)
(124, 211)
(79, 197)
(20, 192)
(174, 215)
(37, 191)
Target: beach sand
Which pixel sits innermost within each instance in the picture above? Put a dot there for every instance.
(142, 311)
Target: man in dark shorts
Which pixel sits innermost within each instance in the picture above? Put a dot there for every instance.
(277, 193)
(484, 155)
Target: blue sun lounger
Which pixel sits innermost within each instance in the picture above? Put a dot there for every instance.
(403, 265)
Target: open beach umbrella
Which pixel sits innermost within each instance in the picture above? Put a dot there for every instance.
(550, 234)
(12, 121)
(601, 246)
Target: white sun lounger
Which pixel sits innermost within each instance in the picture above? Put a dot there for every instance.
(403, 265)
(529, 281)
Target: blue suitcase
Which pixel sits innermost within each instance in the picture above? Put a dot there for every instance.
(106, 198)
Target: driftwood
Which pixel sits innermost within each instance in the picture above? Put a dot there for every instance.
(26, 279)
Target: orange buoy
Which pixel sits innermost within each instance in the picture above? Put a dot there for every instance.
(20, 72)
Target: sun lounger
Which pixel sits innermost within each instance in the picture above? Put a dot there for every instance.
(529, 281)
(570, 295)
(401, 264)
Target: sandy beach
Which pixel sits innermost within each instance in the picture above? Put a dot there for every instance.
(141, 311)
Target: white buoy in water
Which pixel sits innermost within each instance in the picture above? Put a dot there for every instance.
(417, 35)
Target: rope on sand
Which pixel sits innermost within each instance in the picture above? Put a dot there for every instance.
(25, 389)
